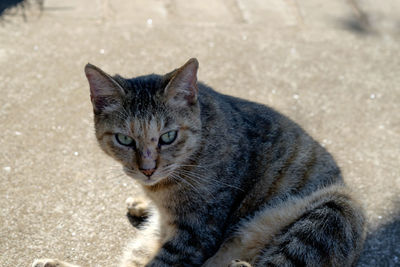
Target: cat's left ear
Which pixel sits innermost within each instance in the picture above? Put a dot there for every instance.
(105, 92)
(181, 89)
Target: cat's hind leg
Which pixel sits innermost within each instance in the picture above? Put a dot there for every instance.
(323, 229)
(239, 263)
(329, 232)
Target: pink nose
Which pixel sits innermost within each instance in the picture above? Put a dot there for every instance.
(148, 172)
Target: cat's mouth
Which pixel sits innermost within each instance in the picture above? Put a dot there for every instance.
(143, 179)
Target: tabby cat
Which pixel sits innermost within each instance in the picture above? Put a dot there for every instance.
(231, 182)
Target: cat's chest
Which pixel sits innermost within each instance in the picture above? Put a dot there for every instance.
(168, 226)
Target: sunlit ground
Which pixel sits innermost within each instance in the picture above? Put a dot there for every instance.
(332, 66)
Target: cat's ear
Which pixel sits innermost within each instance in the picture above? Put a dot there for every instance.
(105, 92)
(181, 89)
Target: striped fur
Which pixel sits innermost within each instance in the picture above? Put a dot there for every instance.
(242, 185)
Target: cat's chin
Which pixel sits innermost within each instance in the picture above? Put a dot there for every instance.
(149, 181)
(144, 180)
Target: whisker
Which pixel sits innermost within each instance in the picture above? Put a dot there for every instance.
(193, 187)
(177, 178)
(208, 179)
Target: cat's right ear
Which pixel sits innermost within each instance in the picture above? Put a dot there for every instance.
(105, 92)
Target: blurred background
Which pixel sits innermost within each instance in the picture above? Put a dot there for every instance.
(332, 66)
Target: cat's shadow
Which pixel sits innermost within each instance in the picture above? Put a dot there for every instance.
(22, 5)
(6, 4)
(382, 246)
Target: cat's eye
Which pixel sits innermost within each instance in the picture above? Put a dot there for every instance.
(168, 138)
(125, 140)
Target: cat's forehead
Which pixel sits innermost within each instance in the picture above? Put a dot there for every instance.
(144, 97)
(142, 102)
(141, 124)
(149, 125)
(145, 104)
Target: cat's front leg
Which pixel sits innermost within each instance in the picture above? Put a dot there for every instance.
(137, 207)
(142, 248)
(191, 245)
(51, 263)
(147, 240)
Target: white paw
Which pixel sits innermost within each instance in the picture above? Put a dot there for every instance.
(137, 207)
(239, 263)
(45, 263)
(51, 263)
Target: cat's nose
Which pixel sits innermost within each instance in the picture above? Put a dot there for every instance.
(148, 172)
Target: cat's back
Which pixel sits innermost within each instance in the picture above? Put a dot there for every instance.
(244, 119)
(277, 158)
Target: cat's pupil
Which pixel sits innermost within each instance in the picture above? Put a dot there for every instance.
(167, 138)
(124, 139)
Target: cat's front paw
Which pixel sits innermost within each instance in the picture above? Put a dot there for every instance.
(239, 263)
(51, 263)
(137, 207)
(45, 263)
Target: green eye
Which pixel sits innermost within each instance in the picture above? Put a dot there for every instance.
(168, 138)
(124, 139)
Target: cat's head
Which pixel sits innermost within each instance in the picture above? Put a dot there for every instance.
(150, 124)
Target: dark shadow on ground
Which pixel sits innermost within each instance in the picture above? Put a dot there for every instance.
(18, 6)
(359, 21)
(357, 25)
(382, 247)
(5, 4)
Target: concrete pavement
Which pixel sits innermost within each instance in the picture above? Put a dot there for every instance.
(317, 62)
